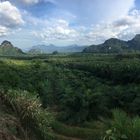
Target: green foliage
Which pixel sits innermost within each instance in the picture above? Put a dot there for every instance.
(80, 87)
(77, 88)
(114, 45)
(123, 127)
(6, 48)
(55, 52)
(28, 108)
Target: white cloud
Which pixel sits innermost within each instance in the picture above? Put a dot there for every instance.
(84, 21)
(60, 30)
(101, 19)
(89, 11)
(30, 1)
(10, 17)
(3, 31)
(123, 28)
(132, 24)
(55, 30)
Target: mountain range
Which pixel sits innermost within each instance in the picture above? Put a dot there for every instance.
(114, 45)
(39, 49)
(6, 48)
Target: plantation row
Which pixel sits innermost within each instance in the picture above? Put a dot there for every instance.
(122, 72)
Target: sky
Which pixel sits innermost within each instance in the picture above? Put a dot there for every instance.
(64, 22)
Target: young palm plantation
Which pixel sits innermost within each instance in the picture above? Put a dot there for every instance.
(71, 97)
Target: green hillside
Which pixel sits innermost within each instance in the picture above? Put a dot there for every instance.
(6, 48)
(114, 45)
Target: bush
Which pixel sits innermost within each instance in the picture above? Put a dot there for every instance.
(123, 127)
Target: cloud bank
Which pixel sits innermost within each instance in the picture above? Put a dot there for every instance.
(10, 17)
(123, 28)
(69, 21)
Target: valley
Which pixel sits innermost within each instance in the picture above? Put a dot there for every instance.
(69, 70)
(72, 97)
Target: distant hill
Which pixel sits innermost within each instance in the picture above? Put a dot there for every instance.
(38, 49)
(6, 48)
(114, 45)
(134, 44)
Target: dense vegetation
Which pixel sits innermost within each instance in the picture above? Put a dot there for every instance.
(6, 48)
(115, 45)
(73, 96)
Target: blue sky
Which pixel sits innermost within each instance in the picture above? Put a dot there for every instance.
(63, 22)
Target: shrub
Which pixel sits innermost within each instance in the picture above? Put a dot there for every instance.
(123, 127)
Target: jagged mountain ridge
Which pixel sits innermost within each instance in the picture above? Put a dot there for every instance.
(114, 45)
